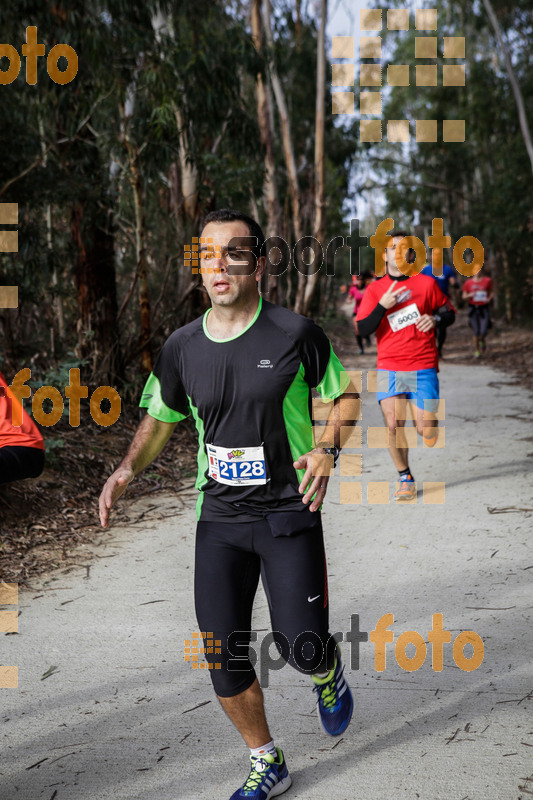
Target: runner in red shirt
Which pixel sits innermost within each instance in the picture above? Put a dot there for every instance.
(404, 310)
(21, 447)
(478, 291)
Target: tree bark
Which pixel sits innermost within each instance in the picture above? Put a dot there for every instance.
(189, 173)
(94, 269)
(264, 118)
(141, 265)
(519, 100)
(288, 151)
(319, 217)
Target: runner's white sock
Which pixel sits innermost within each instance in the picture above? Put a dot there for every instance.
(265, 749)
(324, 677)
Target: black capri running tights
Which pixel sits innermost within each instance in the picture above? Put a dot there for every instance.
(229, 559)
(17, 463)
(478, 319)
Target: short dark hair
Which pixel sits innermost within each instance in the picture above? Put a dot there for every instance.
(231, 215)
(399, 232)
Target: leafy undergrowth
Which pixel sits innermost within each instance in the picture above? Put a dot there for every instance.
(43, 521)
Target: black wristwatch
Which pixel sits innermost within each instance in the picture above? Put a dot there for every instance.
(332, 451)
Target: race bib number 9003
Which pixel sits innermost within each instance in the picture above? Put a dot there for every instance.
(237, 466)
(404, 317)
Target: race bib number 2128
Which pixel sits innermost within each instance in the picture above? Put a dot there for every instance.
(237, 466)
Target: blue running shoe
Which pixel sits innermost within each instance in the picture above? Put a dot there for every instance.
(268, 777)
(335, 701)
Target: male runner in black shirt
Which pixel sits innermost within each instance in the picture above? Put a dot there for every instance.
(245, 371)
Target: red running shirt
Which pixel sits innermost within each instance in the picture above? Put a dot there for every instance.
(28, 435)
(482, 289)
(401, 346)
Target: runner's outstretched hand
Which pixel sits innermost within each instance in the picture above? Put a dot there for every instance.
(317, 466)
(116, 484)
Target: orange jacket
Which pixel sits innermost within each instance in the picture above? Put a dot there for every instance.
(27, 435)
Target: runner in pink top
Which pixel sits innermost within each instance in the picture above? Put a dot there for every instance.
(356, 292)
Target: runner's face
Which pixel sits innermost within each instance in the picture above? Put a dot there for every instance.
(390, 257)
(230, 274)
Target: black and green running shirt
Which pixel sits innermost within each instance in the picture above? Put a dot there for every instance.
(249, 391)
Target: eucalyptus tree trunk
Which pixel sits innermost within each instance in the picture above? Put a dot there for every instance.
(265, 119)
(519, 100)
(319, 200)
(136, 182)
(288, 151)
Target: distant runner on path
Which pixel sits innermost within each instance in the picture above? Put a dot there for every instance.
(479, 292)
(245, 371)
(355, 294)
(403, 311)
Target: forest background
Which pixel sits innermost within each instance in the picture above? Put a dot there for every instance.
(184, 106)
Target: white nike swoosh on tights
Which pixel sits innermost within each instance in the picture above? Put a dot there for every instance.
(310, 599)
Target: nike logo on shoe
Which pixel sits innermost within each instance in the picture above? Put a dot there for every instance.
(310, 599)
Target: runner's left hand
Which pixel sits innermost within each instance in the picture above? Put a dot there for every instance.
(426, 323)
(320, 464)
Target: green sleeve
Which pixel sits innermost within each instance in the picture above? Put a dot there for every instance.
(152, 400)
(335, 380)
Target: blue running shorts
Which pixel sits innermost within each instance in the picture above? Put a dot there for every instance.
(421, 386)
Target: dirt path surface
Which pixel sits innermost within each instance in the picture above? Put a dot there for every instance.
(122, 715)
